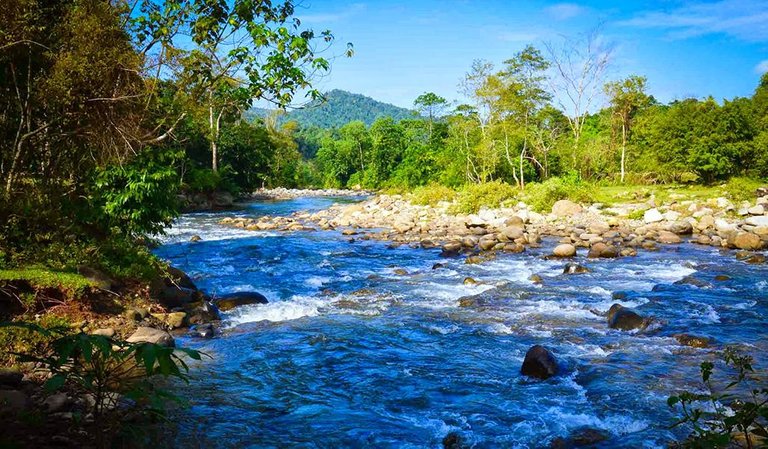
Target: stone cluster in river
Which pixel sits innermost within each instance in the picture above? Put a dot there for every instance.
(604, 232)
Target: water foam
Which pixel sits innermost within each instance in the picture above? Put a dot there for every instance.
(278, 311)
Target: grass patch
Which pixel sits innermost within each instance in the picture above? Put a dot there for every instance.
(40, 278)
(432, 194)
(492, 195)
(741, 189)
(19, 340)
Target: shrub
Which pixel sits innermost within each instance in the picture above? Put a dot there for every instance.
(739, 410)
(541, 196)
(432, 194)
(492, 194)
(741, 189)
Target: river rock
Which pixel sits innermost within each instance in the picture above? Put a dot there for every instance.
(652, 216)
(539, 363)
(174, 320)
(10, 378)
(151, 335)
(232, 300)
(601, 250)
(566, 208)
(13, 401)
(574, 268)
(581, 437)
(693, 341)
(536, 279)
(195, 238)
(564, 250)
(757, 221)
(487, 243)
(56, 402)
(454, 441)
(106, 332)
(746, 240)
(620, 317)
(513, 233)
(205, 330)
(756, 210)
(668, 237)
(470, 281)
(681, 228)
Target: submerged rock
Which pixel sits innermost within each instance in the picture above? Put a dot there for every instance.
(694, 341)
(454, 440)
(202, 331)
(581, 437)
(574, 268)
(539, 363)
(232, 300)
(623, 318)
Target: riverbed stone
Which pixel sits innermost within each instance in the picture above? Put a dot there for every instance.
(539, 363)
(151, 335)
(574, 268)
(652, 216)
(694, 341)
(623, 318)
(601, 250)
(757, 221)
(105, 332)
(230, 301)
(564, 250)
(681, 227)
(746, 240)
(565, 208)
(668, 237)
(10, 378)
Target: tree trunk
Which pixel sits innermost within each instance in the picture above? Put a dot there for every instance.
(623, 149)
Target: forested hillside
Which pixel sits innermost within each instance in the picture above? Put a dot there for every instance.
(336, 108)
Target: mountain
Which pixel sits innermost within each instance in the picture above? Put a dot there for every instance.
(338, 108)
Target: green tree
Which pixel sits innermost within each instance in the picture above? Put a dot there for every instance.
(626, 97)
(431, 105)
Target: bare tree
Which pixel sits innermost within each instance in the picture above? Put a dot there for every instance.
(579, 67)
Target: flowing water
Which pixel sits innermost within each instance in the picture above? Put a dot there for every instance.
(350, 354)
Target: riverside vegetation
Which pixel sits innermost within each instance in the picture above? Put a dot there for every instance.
(116, 116)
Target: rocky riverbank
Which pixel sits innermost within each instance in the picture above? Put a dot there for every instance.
(615, 231)
(281, 193)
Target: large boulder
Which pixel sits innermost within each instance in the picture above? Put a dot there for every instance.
(623, 318)
(232, 300)
(757, 221)
(513, 233)
(564, 250)
(746, 240)
(175, 289)
(601, 250)
(681, 227)
(151, 335)
(668, 237)
(222, 199)
(566, 208)
(539, 363)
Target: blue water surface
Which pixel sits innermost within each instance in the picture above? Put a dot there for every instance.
(350, 354)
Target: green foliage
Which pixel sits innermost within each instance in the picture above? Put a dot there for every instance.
(432, 194)
(741, 189)
(737, 411)
(110, 371)
(542, 196)
(19, 340)
(139, 197)
(492, 194)
(336, 108)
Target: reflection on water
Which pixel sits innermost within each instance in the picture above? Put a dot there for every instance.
(350, 354)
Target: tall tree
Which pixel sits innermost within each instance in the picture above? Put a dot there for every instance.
(626, 97)
(431, 105)
(579, 68)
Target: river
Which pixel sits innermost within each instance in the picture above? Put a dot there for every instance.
(350, 354)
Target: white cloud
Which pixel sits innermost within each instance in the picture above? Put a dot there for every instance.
(329, 17)
(745, 20)
(564, 11)
(762, 67)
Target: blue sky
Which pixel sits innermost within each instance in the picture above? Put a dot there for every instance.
(404, 48)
